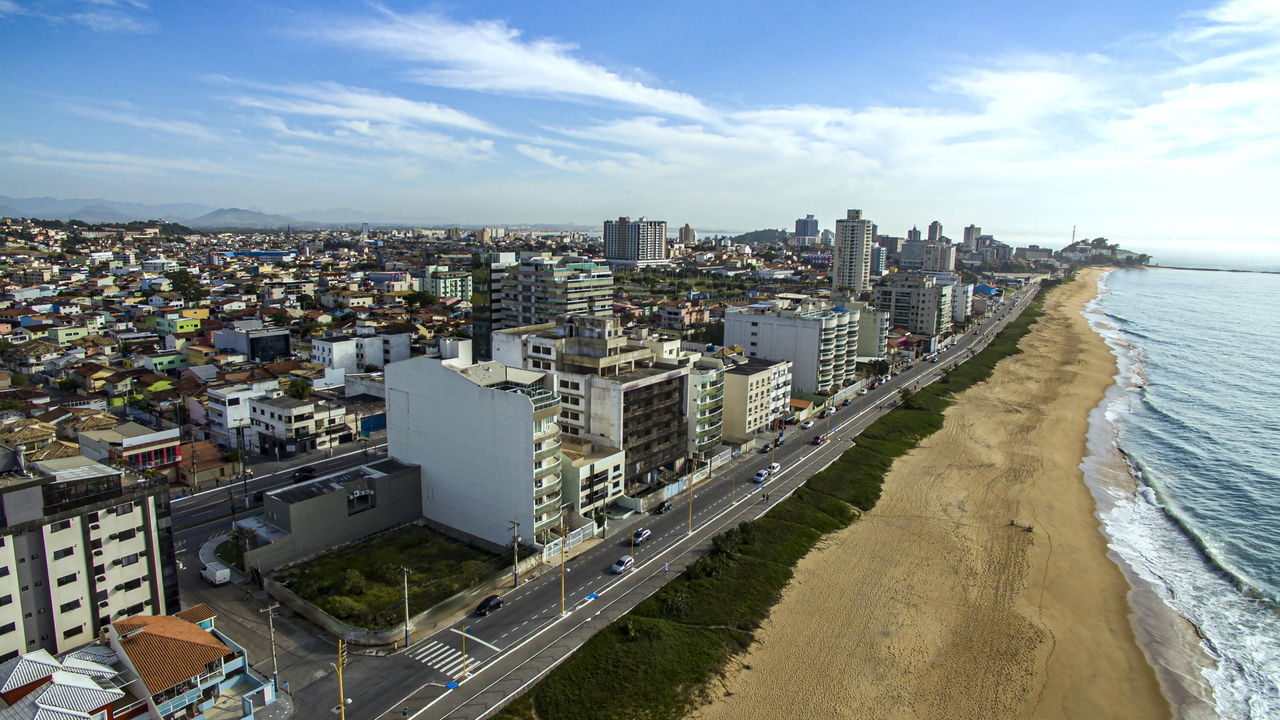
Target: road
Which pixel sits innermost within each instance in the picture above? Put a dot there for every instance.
(512, 648)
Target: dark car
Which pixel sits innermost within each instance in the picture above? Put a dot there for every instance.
(488, 605)
(663, 506)
(304, 473)
(777, 443)
(767, 447)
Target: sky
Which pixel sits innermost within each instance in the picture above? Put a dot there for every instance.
(1153, 123)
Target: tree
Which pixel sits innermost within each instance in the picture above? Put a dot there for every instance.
(280, 318)
(19, 380)
(299, 388)
(187, 285)
(425, 299)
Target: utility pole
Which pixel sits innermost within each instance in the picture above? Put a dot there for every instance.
(271, 625)
(342, 694)
(405, 570)
(564, 540)
(515, 554)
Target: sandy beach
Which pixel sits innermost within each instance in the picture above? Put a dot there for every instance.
(933, 605)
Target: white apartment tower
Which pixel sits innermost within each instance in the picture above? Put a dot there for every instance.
(487, 439)
(851, 269)
(81, 546)
(971, 235)
(635, 241)
(820, 341)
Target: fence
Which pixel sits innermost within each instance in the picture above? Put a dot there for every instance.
(575, 537)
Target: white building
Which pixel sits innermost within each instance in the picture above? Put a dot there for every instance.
(487, 440)
(635, 242)
(851, 266)
(82, 545)
(820, 340)
(354, 353)
(757, 395)
(286, 426)
(159, 265)
(228, 412)
(917, 302)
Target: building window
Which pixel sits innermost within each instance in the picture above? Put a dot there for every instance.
(129, 559)
(60, 525)
(72, 632)
(64, 552)
(66, 579)
(5, 600)
(69, 606)
(6, 629)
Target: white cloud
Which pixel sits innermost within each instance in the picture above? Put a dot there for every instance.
(8, 7)
(109, 22)
(547, 157)
(31, 153)
(146, 122)
(489, 56)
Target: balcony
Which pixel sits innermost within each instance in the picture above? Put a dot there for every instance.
(549, 451)
(545, 471)
(549, 503)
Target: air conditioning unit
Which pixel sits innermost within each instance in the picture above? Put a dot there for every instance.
(119, 587)
(95, 526)
(102, 578)
(97, 553)
(112, 536)
(103, 603)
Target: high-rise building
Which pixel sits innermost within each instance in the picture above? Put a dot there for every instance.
(821, 341)
(939, 257)
(851, 268)
(807, 230)
(935, 231)
(488, 271)
(757, 394)
(971, 235)
(540, 289)
(688, 236)
(635, 241)
(879, 260)
(917, 302)
(82, 544)
(486, 439)
(913, 235)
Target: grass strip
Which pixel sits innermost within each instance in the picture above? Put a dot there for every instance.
(658, 661)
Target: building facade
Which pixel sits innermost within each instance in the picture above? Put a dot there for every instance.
(820, 340)
(286, 426)
(540, 289)
(757, 394)
(635, 241)
(487, 439)
(851, 266)
(82, 545)
(916, 302)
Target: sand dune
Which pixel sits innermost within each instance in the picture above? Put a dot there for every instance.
(933, 605)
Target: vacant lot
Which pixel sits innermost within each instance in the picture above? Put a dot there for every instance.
(363, 584)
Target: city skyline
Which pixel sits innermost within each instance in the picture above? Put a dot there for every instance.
(1026, 121)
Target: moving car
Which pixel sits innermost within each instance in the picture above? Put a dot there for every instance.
(304, 473)
(774, 468)
(761, 475)
(624, 564)
(663, 506)
(778, 443)
(488, 605)
(819, 439)
(806, 424)
(863, 391)
(825, 413)
(765, 449)
(641, 535)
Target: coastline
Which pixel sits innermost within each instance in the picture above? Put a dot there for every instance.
(933, 605)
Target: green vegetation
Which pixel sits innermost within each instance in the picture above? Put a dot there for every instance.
(231, 550)
(672, 646)
(363, 584)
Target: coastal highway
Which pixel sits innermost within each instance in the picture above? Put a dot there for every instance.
(509, 650)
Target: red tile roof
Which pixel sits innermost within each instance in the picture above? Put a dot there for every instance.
(167, 650)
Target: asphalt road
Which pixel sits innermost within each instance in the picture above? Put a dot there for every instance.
(512, 648)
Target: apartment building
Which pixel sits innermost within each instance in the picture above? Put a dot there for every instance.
(254, 341)
(615, 390)
(445, 283)
(487, 439)
(354, 353)
(286, 426)
(939, 257)
(757, 395)
(819, 339)
(851, 266)
(81, 544)
(917, 302)
(539, 290)
(635, 242)
(228, 412)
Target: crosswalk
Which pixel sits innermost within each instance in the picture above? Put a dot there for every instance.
(447, 660)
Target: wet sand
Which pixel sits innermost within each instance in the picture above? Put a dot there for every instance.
(933, 605)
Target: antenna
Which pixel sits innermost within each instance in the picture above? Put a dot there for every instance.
(1073, 234)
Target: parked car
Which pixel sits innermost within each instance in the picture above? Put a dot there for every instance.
(216, 573)
(663, 506)
(766, 448)
(806, 424)
(845, 403)
(761, 475)
(825, 413)
(641, 535)
(624, 564)
(306, 472)
(863, 391)
(774, 468)
(488, 605)
(778, 443)
(819, 439)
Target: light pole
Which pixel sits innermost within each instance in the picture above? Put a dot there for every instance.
(563, 542)
(405, 570)
(271, 626)
(515, 555)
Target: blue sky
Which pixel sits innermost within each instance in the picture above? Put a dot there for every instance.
(1154, 123)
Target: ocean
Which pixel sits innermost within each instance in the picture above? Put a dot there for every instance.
(1195, 418)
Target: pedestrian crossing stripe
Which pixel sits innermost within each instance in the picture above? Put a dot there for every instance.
(446, 659)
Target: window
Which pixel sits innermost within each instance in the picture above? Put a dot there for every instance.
(69, 606)
(66, 579)
(127, 534)
(6, 629)
(72, 632)
(124, 509)
(4, 571)
(60, 525)
(63, 553)
(129, 559)
(5, 599)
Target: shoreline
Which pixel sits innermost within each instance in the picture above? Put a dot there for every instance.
(933, 605)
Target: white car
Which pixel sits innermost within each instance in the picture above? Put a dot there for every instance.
(806, 424)
(774, 468)
(761, 475)
(863, 391)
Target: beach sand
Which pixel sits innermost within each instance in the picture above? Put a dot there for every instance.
(933, 605)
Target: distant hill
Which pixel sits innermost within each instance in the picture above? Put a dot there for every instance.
(240, 218)
(95, 210)
(761, 237)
